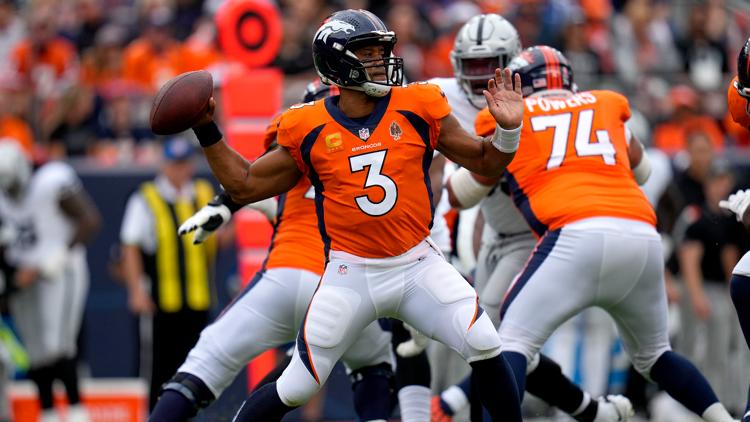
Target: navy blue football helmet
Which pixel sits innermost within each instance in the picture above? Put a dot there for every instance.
(542, 68)
(335, 42)
(743, 71)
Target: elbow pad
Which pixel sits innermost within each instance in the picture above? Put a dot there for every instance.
(642, 171)
(466, 189)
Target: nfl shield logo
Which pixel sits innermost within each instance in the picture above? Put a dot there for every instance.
(364, 133)
(343, 269)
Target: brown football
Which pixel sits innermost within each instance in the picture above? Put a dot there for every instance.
(181, 102)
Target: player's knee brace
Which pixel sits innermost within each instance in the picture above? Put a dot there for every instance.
(192, 388)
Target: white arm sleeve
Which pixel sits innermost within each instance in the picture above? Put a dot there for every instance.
(467, 190)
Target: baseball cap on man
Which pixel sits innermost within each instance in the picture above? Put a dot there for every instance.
(178, 148)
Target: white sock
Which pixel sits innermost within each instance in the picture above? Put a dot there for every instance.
(414, 402)
(49, 415)
(716, 413)
(455, 398)
(78, 413)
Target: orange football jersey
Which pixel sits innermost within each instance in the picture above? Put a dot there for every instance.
(738, 105)
(572, 162)
(296, 241)
(373, 196)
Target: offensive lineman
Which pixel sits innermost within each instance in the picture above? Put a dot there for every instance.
(374, 213)
(484, 43)
(574, 180)
(53, 218)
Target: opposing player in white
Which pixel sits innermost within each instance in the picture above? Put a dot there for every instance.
(52, 218)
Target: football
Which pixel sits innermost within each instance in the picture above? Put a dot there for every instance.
(181, 102)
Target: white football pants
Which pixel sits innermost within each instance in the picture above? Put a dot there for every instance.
(268, 314)
(615, 264)
(418, 287)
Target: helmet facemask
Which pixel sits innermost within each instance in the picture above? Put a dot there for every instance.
(375, 76)
(474, 72)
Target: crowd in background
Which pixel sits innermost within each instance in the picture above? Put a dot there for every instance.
(77, 78)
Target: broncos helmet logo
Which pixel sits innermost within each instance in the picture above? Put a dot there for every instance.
(331, 27)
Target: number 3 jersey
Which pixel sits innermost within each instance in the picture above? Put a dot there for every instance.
(572, 162)
(370, 175)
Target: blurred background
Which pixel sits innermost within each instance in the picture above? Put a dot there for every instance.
(77, 79)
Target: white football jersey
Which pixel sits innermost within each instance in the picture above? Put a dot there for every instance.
(41, 226)
(500, 213)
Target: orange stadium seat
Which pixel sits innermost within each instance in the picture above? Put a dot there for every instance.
(246, 136)
(253, 230)
(251, 92)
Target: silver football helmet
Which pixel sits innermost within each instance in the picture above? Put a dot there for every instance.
(484, 43)
(15, 167)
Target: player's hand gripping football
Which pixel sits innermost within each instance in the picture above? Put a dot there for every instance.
(737, 203)
(504, 99)
(206, 221)
(209, 115)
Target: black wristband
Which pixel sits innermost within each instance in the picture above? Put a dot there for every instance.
(208, 134)
(223, 198)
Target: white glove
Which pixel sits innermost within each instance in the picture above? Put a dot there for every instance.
(206, 221)
(267, 206)
(737, 203)
(54, 264)
(413, 347)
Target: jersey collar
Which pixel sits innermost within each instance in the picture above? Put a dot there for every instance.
(358, 128)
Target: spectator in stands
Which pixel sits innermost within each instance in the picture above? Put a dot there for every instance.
(301, 19)
(73, 127)
(118, 123)
(167, 277)
(690, 181)
(12, 31)
(642, 41)
(11, 124)
(48, 65)
(154, 57)
(404, 20)
(200, 48)
(437, 60)
(585, 61)
(103, 61)
(91, 19)
(708, 250)
(704, 46)
(686, 117)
